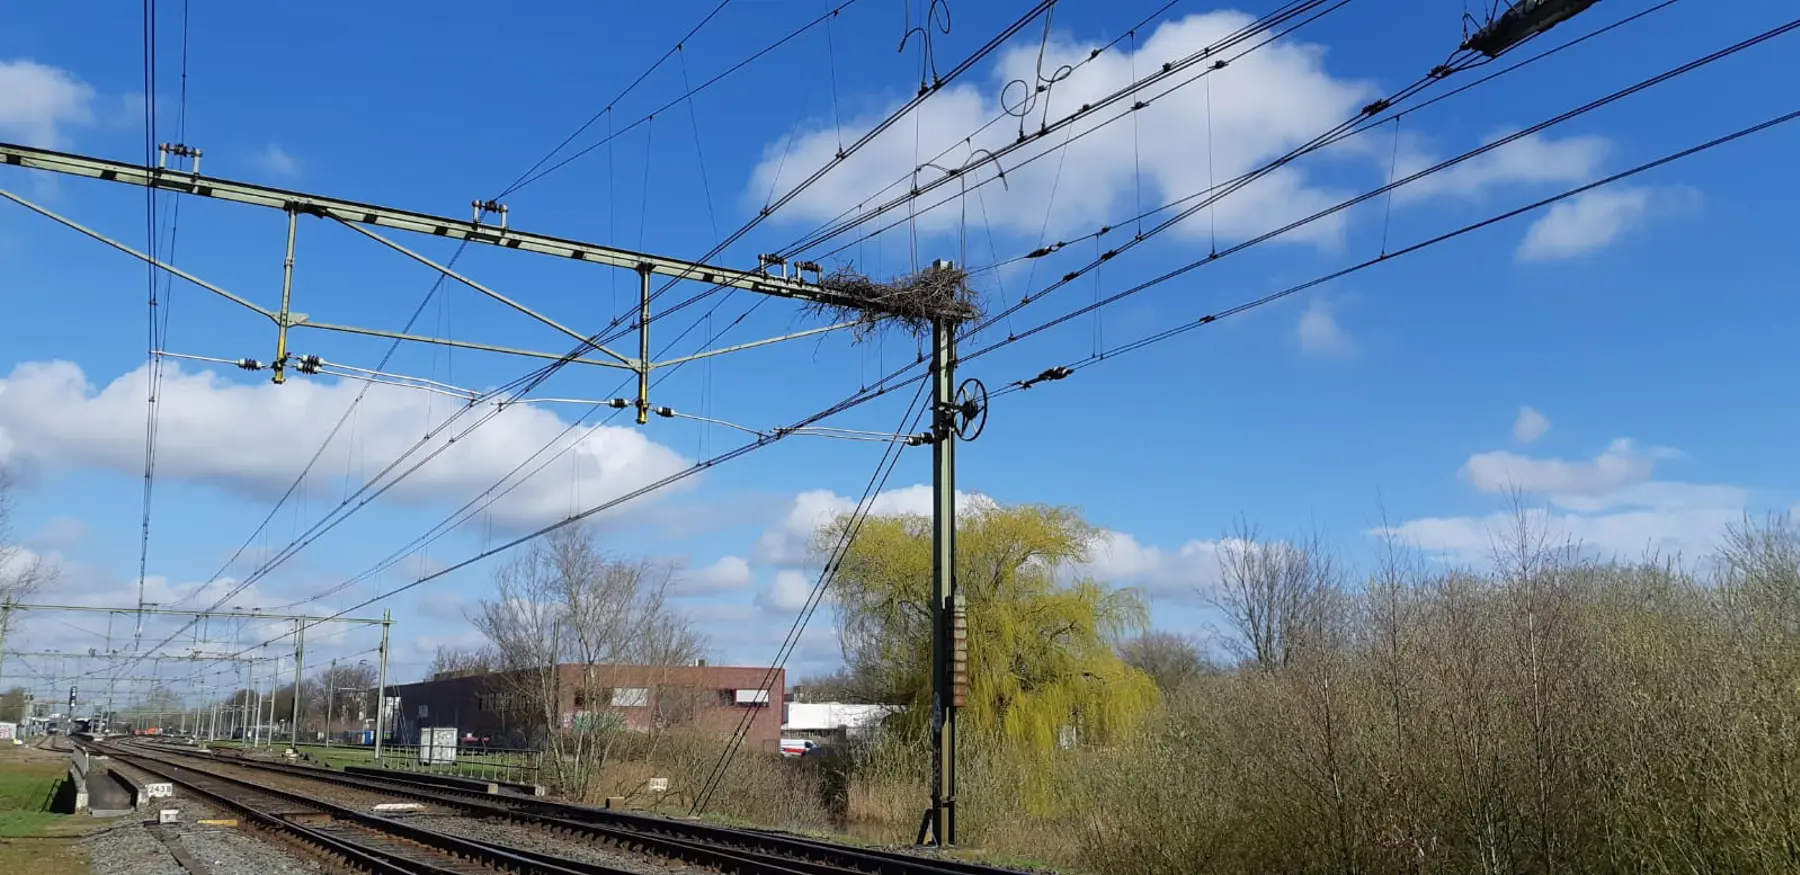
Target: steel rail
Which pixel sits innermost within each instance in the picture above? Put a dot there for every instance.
(241, 793)
(695, 842)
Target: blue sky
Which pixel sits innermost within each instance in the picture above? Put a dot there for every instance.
(1643, 325)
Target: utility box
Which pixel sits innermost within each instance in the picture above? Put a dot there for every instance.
(437, 745)
(169, 815)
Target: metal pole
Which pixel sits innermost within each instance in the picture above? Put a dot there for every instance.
(387, 620)
(284, 319)
(943, 581)
(256, 709)
(299, 666)
(643, 363)
(5, 621)
(330, 699)
(269, 724)
(112, 679)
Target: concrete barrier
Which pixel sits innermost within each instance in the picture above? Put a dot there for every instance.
(110, 794)
(76, 794)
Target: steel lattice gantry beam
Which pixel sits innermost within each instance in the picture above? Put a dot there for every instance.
(406, 220)
(362, 216)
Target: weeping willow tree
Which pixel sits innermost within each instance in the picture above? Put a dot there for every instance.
(1043, 663)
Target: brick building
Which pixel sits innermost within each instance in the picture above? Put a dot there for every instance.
(710, 699)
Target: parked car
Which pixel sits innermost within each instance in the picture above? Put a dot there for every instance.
(797, 747)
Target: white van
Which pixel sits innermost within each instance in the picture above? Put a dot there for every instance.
(797, 747)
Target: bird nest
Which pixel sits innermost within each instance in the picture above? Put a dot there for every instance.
(911, 303)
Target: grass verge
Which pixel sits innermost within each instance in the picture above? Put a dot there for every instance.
(34, 841)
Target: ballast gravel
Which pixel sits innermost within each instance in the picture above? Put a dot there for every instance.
(529, 838)
(136, 845)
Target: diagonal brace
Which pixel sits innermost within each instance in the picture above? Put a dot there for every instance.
(447, 271)
(151, 259)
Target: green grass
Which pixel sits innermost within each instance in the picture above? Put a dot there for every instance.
(34, 841)
(27, 786)
(503, 766)
(19, 824)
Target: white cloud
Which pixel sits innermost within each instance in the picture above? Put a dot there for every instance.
(787, 592)
(37, 102)
(728, 574)
(1264, 104)
(275, 161)
(1320, 334)
(1608, 504)
(59, 533)
(790, 541)
(1120, 559)
(1690, 531)
(1585, 223)
(1619, 466)
(1530, 425)
(1532, 159)
(253, 439)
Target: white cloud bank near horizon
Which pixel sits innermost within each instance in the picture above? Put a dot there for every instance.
(252, 440)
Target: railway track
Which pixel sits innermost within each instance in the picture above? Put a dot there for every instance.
(742, 851)
(361, 840)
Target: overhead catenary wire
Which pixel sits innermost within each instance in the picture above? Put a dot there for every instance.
(1212, 194)
(338, 514)
(440, 279)
(1266, 27)
(530, 381)
(525, 178)
(539, 171)
(884, 469)
(1032, 297)
(1063, 371)
(1363, 128)
(867, 395)
(501, 488)
(910, 197)
(659, 484)
(154, 329)
(935, 87)
(1561, 118)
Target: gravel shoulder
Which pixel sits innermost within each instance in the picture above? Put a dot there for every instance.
(138, 845)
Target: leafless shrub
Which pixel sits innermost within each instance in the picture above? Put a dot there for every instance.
(22, 573)
(1274, 593)
(1172, 660)
(913, 302)
(450, 662)
(564, 601)
(1548, 714)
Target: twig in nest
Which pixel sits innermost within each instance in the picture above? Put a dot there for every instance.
(912, 302)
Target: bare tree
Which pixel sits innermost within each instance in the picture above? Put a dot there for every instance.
(340, 695)
(449, 662)
(1170, 659)
(1274, 593)
(22, 572)
(563, 600)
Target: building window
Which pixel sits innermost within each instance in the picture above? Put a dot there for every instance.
(631, 697)
(753, 698)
